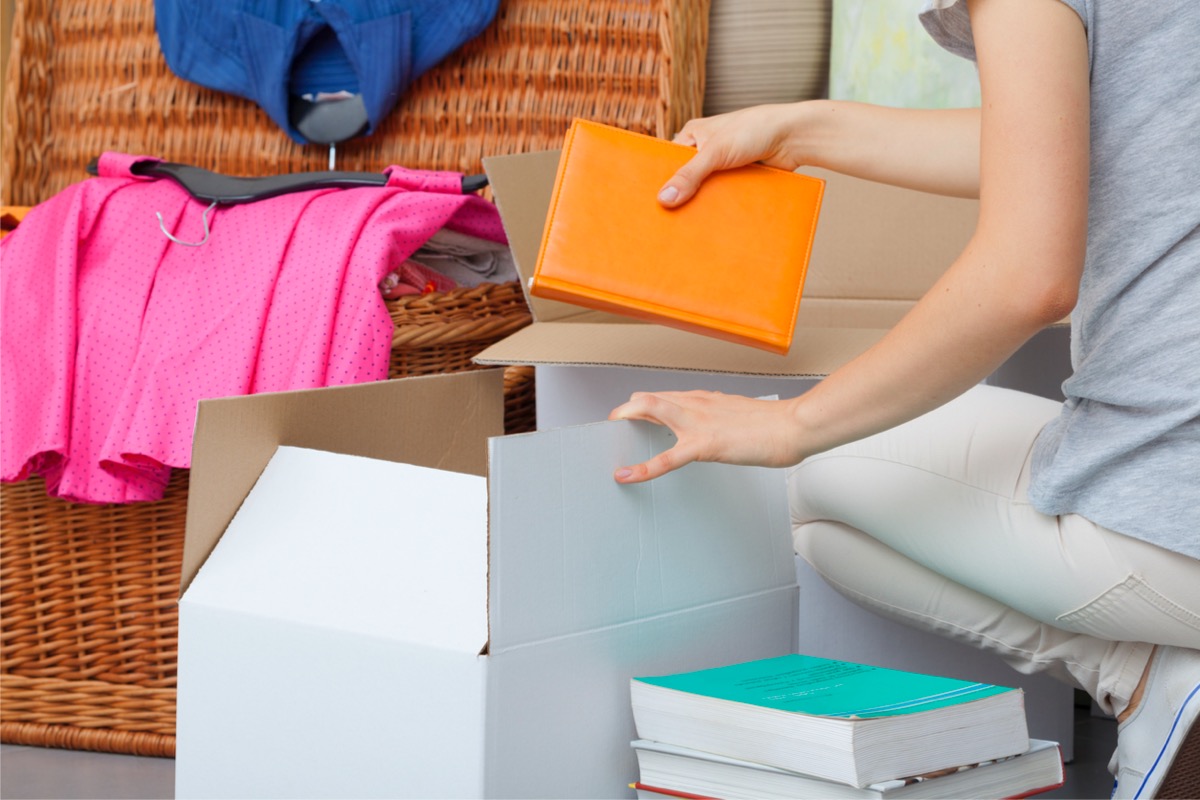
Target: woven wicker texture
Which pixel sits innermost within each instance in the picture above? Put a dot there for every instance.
(88, 644)
(88, 596)
(89, 77)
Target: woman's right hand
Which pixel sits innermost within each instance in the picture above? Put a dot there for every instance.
(764, 134)
(711, 426)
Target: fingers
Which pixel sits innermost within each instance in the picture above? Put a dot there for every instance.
(661, 411)
(686, 181)
(686, 135)
(642, 405)
(661, 464)
(727, 141)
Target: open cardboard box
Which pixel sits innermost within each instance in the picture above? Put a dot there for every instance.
(383, 597)
(877, 250)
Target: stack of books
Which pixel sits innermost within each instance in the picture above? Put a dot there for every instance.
(799, 726)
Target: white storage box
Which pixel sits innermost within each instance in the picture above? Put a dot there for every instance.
(402, 626)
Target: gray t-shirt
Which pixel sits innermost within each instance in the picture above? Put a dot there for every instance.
(1125, 450)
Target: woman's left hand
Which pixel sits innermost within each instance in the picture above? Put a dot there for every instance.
(710, 426)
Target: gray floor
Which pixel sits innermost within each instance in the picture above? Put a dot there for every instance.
(37, 772)
(34, 773)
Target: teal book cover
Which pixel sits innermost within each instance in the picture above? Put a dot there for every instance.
(827, 688)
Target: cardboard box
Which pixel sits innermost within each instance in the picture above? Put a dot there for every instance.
(878, 249)
(830, 626)
(379, 600)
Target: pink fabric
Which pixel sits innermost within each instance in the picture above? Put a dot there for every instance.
(111, 333)
(120, 165)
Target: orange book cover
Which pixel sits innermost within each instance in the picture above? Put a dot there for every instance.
(729, 263)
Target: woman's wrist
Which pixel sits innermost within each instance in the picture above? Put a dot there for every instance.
(803, 429)
(813, 127)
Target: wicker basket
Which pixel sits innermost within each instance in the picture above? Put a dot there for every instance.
(88, 644)
(89, 76)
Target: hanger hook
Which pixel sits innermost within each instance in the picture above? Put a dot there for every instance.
(203, 219)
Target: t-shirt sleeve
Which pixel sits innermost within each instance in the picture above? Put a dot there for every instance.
(948, 22)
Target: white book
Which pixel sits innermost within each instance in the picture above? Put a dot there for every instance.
(670, 771)
(851, 723)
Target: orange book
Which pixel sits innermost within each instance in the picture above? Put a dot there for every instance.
(729, 263)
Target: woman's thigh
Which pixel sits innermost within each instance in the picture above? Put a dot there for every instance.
(949, 491)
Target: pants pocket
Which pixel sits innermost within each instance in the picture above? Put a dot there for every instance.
(1133, 611)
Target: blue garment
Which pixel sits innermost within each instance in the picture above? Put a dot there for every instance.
(271, 50)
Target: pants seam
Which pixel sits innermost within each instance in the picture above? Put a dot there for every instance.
(1011, 497)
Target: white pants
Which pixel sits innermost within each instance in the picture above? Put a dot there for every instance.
(929, 524)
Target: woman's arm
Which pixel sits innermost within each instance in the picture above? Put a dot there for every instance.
(1019, 273)
(932, 150)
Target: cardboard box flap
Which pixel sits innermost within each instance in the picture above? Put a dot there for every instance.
(523, 186)
(880, 242)
(878, 249)
(815, 352)
(572, 550)
(440, 421)
(360, 546)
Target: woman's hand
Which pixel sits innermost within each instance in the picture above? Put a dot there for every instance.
(758, 134)
(710, 426)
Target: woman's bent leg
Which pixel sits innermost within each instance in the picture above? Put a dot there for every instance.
(929, 523)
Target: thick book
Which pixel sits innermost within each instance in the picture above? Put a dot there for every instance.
(852, 723)
(729, 263)
(681, 772)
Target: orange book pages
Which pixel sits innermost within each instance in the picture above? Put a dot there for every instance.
(729, 263)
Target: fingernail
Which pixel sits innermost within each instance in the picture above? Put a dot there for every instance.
(623, 473)
(669, 194)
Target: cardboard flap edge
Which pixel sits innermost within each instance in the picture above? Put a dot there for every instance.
(396, 420)
(815, 351)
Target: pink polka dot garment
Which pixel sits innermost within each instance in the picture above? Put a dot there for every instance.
(110, 333)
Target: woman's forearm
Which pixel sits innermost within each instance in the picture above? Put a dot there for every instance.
(964, 328)
(931, 150)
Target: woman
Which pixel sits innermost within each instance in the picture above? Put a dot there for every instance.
(1063, 537)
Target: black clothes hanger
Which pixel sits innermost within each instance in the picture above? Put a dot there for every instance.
(213, 187)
